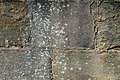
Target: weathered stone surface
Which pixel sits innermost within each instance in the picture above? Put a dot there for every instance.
(63, 24)
(74, 64)
(76, 22)
(108, 26)
(14, 24)
(27, 64)
(59, 25)
(111, 64)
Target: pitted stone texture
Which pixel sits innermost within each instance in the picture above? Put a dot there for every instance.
(75, 23)
(25, 64)
(63, 24)
(41, 30)
(14, 24)
(111, 64)
(75, 65)
(108, 26)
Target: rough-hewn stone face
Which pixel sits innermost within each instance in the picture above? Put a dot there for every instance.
(14, 24)
(111, 64)
(108, 26)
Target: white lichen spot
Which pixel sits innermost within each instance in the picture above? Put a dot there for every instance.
(66, 39)
(67, 58)
(43, 42)
(46, 48)
(36, 70)
(65, 68)
(87, 56)
(80, 68)
(109, 61)
(66, 24)
(53, 8)
(60, 62)
(73, 32)
(18, 39)
(86, 63)
(62, 72)
(71, 68)
(6, 43)
(39, 5)
(68, 5)
(56, 75)
(58, 10)
(62, 78)
(54, 45)
(101, 65)
(75, 11)
(89, 79)
(61, 31)
(63, 6)
(118, 66)
(112, 64)
(63, 16)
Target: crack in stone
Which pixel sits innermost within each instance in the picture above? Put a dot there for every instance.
(114, 47)
(91, 7)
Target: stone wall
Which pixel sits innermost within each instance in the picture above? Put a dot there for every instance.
(59, 40)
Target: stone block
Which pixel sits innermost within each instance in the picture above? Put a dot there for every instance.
(25, 64)
(14, 24)
(60, 24)
(111, 64)
(73, 65)
(108, 27)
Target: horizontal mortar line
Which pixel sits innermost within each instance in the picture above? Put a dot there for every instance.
(33, 46)
(15, 48)
(58, 48)
(106, 51)
(72, 48)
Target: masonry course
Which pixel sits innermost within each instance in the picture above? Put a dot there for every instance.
(59, 40)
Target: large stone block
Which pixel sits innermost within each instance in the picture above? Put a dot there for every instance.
(63, 24)
(25, 64)
(74, 64)
(14, 24)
